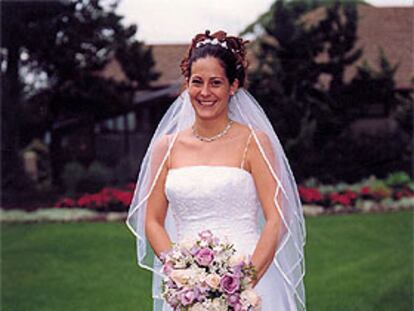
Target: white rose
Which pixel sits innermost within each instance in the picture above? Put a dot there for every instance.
(203, 243)
(180, 264)
(187, 243)
(213, 280)
(236, 259)
(198, 307)
(218, 248)
(251, 297)
(196, 275)
(218, 304)
(176, 255)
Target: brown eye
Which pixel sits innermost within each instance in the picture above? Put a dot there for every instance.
(216, 82)
(195, 81)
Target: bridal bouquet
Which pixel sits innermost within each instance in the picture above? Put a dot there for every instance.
(206, 275)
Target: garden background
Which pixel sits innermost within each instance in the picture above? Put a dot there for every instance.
(82, 94)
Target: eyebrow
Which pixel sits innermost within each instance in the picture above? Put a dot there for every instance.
(211, 78)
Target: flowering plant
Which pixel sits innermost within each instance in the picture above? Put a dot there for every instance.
(108, 199)
(207, 275)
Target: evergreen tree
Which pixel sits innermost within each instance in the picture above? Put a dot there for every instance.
(63, 45)
(287, 77)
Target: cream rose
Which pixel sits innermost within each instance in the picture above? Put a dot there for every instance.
(213, 280)
(181, 277)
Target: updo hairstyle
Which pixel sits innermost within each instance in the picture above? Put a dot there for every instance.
(230, 52)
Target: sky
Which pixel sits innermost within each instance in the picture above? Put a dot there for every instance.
(176, 21)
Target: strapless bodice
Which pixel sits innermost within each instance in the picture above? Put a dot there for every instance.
(222, 199)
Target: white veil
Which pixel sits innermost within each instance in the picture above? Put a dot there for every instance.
(289, 256)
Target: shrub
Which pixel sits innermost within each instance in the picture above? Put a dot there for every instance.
(73, 172)
(397, 179)
(126, 170)
(96, 177)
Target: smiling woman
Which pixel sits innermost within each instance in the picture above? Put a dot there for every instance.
(209, 91)
(216, 164)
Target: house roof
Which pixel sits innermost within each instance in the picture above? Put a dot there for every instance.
(167, 61)
(112, 70)
(388, 27)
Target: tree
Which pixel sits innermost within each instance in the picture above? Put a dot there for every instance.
(15, 16)
(289, 69)
(63, 44)
(353, 155)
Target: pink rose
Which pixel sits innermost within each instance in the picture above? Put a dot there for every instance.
(229, 283)
(168, 267)
(237, 307)
(173, 301)
(187, 297)
(233, 300)
(204, 256)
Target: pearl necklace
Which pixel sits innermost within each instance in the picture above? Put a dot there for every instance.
(215, 137)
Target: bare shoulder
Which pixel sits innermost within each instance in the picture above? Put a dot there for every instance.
(184, 137)
(262, 139)
(245, 130)
(165, 140)
(162, 142)
(262, 136)
(241, 129)
(261, 146)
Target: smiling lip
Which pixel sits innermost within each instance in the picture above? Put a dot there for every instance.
(206, 103)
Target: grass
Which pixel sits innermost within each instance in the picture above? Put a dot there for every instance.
(354, 263)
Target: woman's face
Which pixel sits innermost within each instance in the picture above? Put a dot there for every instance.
(209, 88)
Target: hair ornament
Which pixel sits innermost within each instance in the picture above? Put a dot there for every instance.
(214, 41)
(235, 45)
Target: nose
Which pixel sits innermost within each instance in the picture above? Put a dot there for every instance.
(205, 90)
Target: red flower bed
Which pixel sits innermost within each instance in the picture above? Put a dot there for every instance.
(113, 199)
(108, 199)
(310, 195)
(403, 193)
(346, 198)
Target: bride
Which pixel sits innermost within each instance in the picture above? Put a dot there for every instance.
(216, 163)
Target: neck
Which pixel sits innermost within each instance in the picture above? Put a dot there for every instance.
(210, 128)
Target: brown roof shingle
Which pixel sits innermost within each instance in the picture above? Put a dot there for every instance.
(392, 29)
(389, 28)
(167, 61)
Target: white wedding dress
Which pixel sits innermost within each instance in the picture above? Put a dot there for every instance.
(224, 200)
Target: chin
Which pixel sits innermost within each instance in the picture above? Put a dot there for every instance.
(209, 113)
(207, 116)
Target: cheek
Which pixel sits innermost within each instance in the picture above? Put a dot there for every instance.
(225, 95)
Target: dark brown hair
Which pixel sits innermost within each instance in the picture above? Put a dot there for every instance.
(232, 56)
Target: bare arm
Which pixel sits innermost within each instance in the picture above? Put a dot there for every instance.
(157, 206)
(266, 186)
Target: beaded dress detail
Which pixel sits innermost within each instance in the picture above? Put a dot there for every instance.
(219, 198)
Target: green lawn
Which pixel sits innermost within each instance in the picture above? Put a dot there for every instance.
(355, 262)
